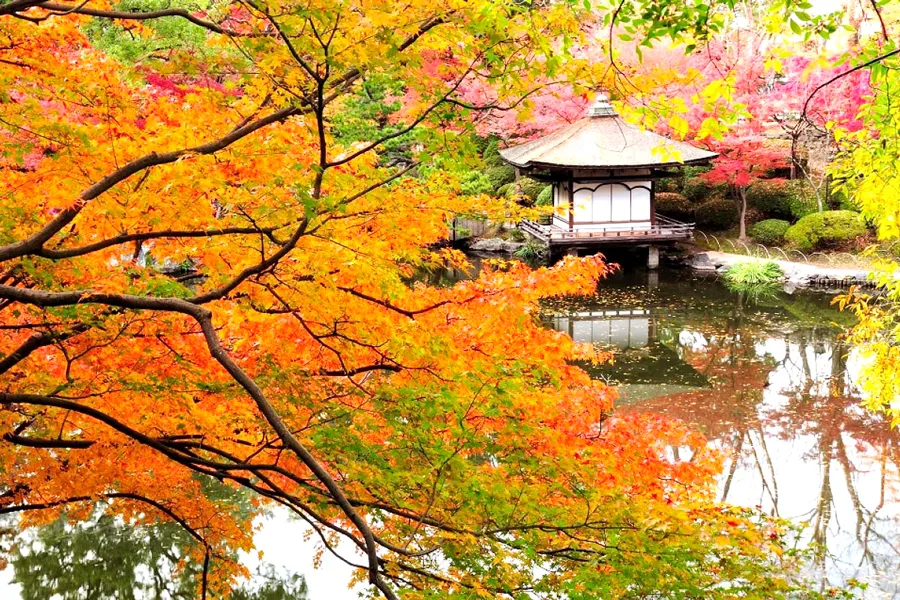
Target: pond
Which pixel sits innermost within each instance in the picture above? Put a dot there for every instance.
(769, 382)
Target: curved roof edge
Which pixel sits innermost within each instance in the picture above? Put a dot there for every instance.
(603, 142)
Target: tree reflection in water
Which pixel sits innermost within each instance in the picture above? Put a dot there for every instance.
(772, 384)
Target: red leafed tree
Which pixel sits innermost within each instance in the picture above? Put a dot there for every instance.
(745, 157)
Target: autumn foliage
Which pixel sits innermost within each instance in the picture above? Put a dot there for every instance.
(207, 270)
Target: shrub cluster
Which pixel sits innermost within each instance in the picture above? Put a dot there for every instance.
(718, 214)
(500, 175)
(475, 182)
(491, 154)
(697, 190)
(782, 199)
(668, 184)
(507, 190)
(545, 197)
(530, 188)
(825, 229)
(770, 231)
(673, 204)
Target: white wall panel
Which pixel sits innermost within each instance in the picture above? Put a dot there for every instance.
(621, 203)
(640, 204)
(583, 205)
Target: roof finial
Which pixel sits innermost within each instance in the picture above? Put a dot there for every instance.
(602, 107)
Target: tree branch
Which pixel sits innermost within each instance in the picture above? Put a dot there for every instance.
(36, 241)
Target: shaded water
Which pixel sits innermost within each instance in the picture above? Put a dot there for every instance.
(771, 383)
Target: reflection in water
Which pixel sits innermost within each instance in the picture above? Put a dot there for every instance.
(771, 384)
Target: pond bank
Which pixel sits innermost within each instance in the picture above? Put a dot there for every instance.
(796, 274)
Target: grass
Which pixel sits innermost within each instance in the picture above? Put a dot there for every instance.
(753, 272)
(755, 278)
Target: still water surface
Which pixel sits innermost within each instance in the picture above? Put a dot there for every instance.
(769, 382)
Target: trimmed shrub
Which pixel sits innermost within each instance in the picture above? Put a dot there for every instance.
(824, 229)
(530, 187)
(545, 198)
(673, 204)
(717, 214)
(499, 176)
(475, 182)
(491, 154)
(771, 197)
(803, 200)
(506, 190)
(782, 199)
(695, 188)
(770, 231)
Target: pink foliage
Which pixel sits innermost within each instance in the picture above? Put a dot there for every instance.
(744, 157)
(543, 112)
(179, 86)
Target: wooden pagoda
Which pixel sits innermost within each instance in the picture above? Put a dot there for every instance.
(603, 172)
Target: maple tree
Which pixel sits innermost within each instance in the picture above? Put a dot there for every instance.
(206, 273)
(744, 159)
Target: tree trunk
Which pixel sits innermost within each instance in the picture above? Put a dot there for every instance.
(742, 193)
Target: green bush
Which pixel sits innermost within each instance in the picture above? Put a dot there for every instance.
(506, 190)
(499, 176)
(772, 197)
(770, 231)
(823, 229)
(491, 154)
(531, 251)
(782, 199)
(717, 214)
(475, 182)
(480, 143)
(697, 190)
(803, 199)
(674, 205)
(531, 188)
(840, 201)
(545, 198)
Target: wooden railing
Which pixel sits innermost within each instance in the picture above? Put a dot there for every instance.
(664, 229)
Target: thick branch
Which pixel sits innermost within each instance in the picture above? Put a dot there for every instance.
(140, 16)
(124, 238)
(35, 242)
